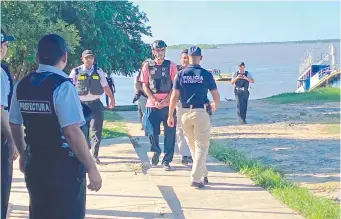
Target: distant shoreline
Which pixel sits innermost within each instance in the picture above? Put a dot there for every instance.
(217, 46)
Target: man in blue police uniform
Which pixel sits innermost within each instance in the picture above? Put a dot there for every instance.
(191, 87)
(91, 83)
(111, 85)
(8, 148)
(241, 79)
(56, 157)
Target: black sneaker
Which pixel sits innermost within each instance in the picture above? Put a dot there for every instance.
(155, 159)
(166, 166)
(197, 185)
(184, 160)
(205, 181)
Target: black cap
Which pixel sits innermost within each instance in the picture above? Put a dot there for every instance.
(86, 53)
(5, 37)
(157, 44)
(242, 64)
(184, 51)
(194, 51)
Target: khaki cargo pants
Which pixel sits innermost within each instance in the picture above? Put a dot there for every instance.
(180, 138)
(196, 125)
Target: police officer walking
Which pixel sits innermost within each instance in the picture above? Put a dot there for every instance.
(111, 85)
(56, 157)
(9, 152)
(180, 138)
(91, 83)
(191, 87)
(157, 78)
(241, 79)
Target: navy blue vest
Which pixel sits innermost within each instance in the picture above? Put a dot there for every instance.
(242, 83)
(47, 150)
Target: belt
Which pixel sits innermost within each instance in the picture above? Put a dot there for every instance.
(194, 106)
(90, 101)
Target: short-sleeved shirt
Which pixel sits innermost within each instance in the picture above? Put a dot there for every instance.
(82, 69)
(193, 83)
(144, 78)
(5, 88)
(65, 99)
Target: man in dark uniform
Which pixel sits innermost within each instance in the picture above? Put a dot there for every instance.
(157, 78)
(56, 157)
(111, 85)
(91, 83)
(8, 148)
(191, 87)
(241, 79)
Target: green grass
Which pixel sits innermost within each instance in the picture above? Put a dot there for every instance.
(327, 94)
(298, 198)
(113, 125)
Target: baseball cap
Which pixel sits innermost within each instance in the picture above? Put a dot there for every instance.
(5, 37)
(194, 51)
(86, 53)
(242, 64)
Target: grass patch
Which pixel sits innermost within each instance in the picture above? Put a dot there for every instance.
(327, 94)
(298, 198)
(113, 126)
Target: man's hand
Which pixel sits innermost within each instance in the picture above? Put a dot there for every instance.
(158, 104)
(13, 152)
(112, 103)
(170, 121)
(95, 180)
(213, 106)
(22, 164)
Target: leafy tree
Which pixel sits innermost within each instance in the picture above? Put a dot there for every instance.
(113, 30)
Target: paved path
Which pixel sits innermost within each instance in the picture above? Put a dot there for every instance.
(130, 191)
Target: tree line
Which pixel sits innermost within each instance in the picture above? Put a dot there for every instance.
(112, 30)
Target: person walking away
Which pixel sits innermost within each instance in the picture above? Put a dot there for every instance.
(54, 155)
(242, 79)
(191, 87)
(111, 85)
(9, 152)
(157, 79)
(180, 138)
(91, 83)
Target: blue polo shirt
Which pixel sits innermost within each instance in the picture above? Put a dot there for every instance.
(193, 82)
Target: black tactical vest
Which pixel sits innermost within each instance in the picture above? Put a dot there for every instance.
(86, 83)
(159, 78)
(241, 84)
(47, 151)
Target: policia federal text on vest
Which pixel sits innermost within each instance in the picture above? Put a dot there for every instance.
(53, 173)
(241, 84)
(159, 78)
(86, 83)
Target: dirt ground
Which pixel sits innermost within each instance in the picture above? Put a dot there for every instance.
(300, 140)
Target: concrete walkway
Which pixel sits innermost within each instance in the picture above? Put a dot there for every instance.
(132, 190)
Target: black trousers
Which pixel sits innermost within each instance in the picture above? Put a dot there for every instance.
(55, 198)
(6, 176)
(242, 98)
(96, 124)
